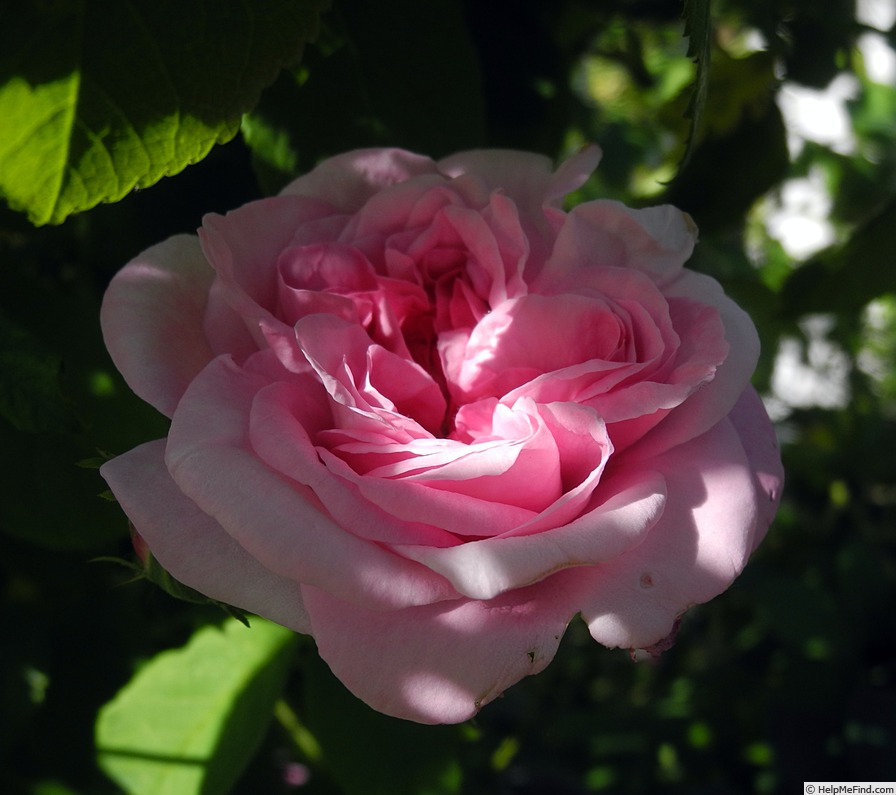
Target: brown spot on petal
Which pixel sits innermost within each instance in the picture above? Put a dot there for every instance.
(647, 580)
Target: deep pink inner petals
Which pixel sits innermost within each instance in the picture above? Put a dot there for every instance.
(440, 369)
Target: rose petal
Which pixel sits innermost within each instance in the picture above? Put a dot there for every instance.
(191, 546)
(637, 408)
(496, 248)
(283, 416)
(693, 552)
(320, 278)
(484, 569)
(757, 435)
(152, 320)
(603, 233)
(367, 382)
(347, 181)
(439, 663)
(409, 214)
(529, 179)
(520, 466)
(408, 501)
(243, 247)
(715, 399)
(572, 173)
(525, 338)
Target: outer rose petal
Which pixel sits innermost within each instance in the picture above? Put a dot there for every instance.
(702, 410)
(529, 179)
(692, 554)
(655, 240)
(439, 663)
(191, 545)
(757, 435)
(349, 180)
(152, 320)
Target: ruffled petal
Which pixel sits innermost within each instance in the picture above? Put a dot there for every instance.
(409, 501)
(716, 398)
(152, 320)
(244, 247)
(370, 386)
(532, 184)
(281, 524)
(529, 337)
(191, 546)
(655, 240)
(283, 419)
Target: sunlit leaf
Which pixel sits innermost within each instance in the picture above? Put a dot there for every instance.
(191, 718)
(99, 97)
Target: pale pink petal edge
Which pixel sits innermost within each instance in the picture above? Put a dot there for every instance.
(152, 320)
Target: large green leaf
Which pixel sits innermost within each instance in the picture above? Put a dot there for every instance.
(191, 718)
(99, 97)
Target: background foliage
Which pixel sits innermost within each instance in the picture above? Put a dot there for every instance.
(788, 677)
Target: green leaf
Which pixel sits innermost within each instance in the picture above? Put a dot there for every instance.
(99, 97)
(31, 397)
(698, 29)
(191, 719)
(367, 753)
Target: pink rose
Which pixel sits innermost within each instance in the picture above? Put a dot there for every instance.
(424, 415)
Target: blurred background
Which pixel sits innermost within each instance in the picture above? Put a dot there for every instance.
(788, 677)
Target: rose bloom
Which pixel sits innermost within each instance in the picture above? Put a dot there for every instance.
(423, 414)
